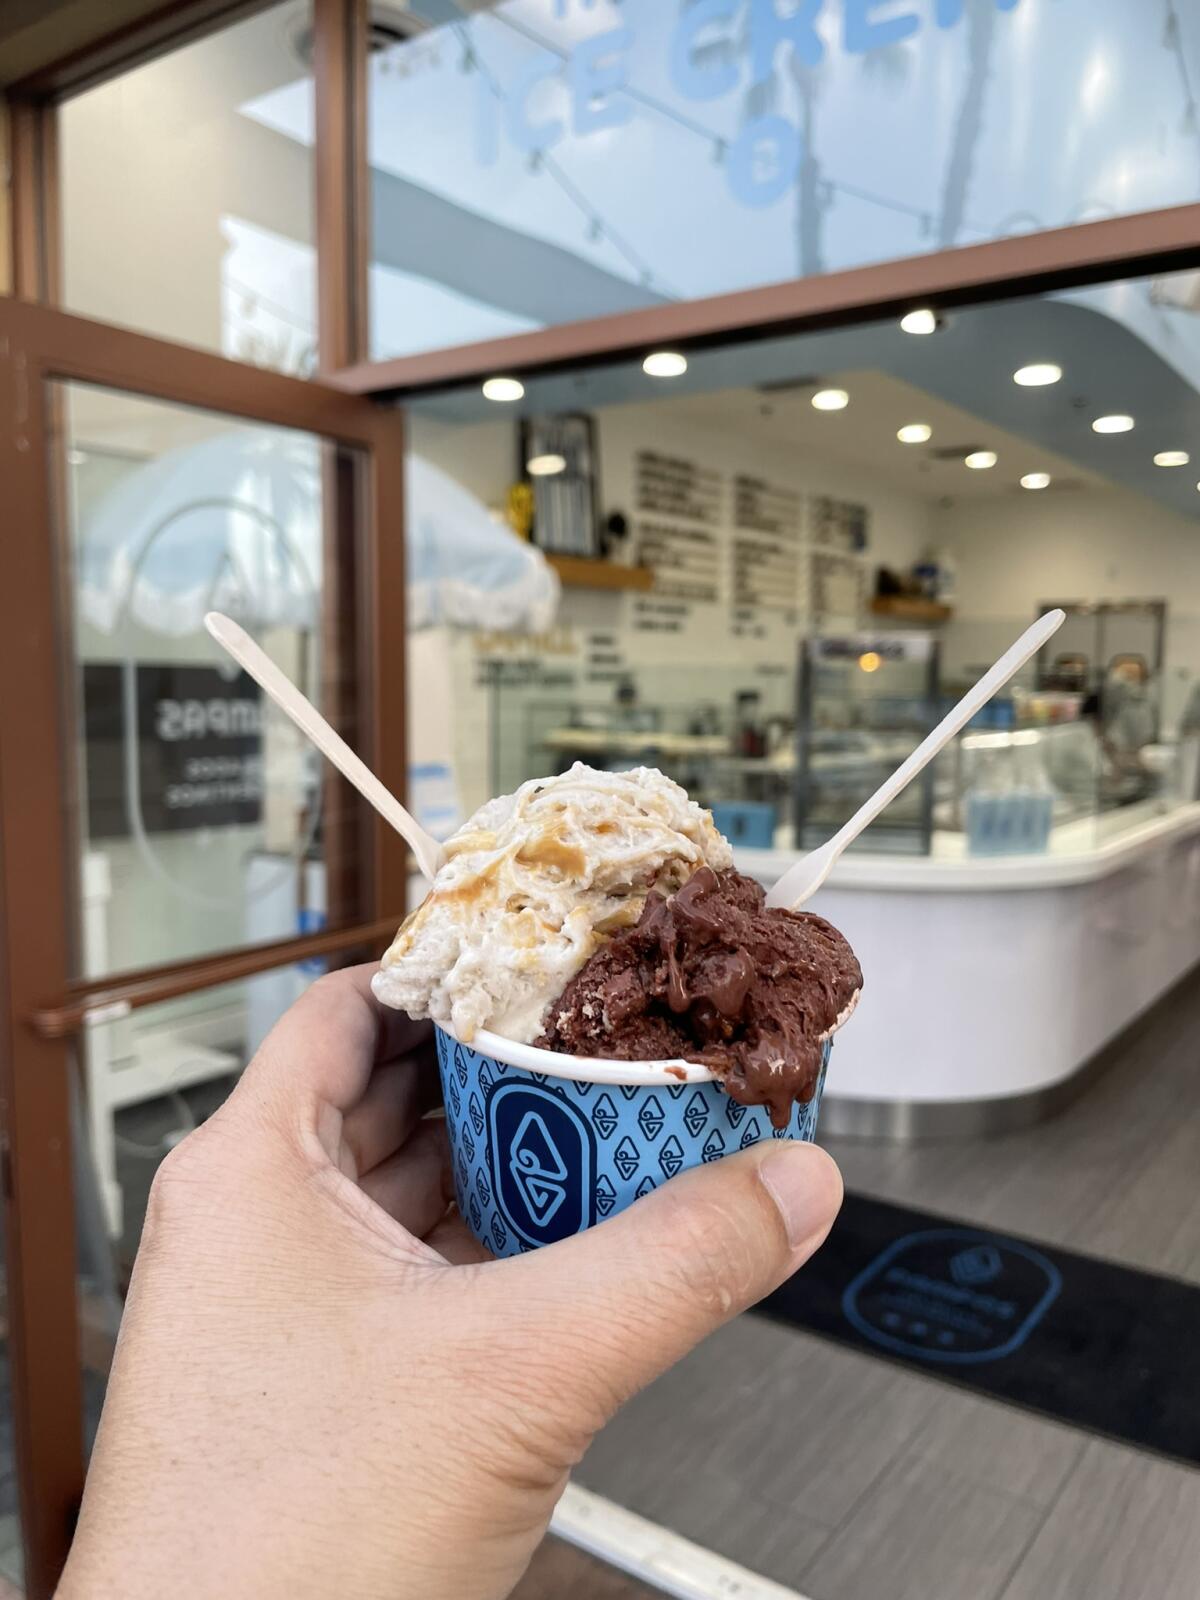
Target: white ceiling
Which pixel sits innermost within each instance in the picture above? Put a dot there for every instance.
(864, 435)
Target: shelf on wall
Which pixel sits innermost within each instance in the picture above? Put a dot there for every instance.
(583, 572)
(910, 608)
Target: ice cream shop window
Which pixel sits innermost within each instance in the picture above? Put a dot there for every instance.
(768, 574)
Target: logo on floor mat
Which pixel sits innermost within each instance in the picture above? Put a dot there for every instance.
(949, 1295)
(541, 1158)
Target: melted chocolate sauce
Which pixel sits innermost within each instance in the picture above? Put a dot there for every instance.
(712, 975)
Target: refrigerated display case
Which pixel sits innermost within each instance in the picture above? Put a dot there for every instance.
(866, 700)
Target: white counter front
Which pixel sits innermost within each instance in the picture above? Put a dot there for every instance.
(990, 983)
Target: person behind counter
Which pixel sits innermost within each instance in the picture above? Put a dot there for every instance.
(1127, 723)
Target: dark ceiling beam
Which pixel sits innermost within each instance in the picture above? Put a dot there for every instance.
(55, 47)
(414, 230)
(418, 231)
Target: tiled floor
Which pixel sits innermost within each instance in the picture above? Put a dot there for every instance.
(849, 1479)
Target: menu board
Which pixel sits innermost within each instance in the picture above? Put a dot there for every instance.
(765, 545)
(680, 506)
(837, 586)
(839, 524)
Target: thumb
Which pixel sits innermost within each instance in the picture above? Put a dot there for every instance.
(622, 1302)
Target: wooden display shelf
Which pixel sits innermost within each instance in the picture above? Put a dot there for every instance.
(910, 608)
(582, 572)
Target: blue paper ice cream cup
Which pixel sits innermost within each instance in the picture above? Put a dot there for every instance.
(545, 1145)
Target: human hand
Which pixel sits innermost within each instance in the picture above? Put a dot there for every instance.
(324, 1387)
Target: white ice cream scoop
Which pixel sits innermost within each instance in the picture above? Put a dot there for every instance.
(803, 880)
(238, 643)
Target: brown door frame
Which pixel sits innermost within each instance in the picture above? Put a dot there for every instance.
(39, 346)
(40, 1007)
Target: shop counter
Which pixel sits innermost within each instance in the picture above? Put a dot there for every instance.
(991, 984)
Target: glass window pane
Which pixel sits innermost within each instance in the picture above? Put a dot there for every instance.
(184, 214)
(772, 599)
(534, 163)
(202, 818)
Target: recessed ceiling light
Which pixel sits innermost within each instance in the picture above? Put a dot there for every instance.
(921, 321)
(980, 460)
(1118, 423)
(1172, 458)
(545, 466)
(831, 400)
(503, 389)
(914, 433)
(1035, 376)
(664, 364)
(1036, 480)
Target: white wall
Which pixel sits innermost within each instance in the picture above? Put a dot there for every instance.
(1013, 553)
(157, 163)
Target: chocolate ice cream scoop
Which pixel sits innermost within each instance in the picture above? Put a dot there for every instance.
(711, 974)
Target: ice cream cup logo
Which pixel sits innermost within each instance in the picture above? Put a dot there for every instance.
(650, 1118)
(461, 1069)
(541, 1159)
(626, 1159)
(538, 1169)
(714, 1146)
(604, 1116)
(695, 1114)
(670, 1157)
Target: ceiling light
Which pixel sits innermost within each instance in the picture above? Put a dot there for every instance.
(870, 661)
(1172, 458)
(1037, 375)
(922, 321)
(914, 433)
(665, 364)
(980, 460)
(1119, 423)
(503, 389)
(831, 400)
(545, 466)
(1036, 480)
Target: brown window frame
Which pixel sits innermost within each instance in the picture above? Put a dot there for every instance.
(1056, 258)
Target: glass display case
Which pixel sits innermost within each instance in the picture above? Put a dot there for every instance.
(1006, 791)
(866, 701)
(784, 756)
(725, 734)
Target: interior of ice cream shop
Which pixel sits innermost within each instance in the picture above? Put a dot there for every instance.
(718, 389)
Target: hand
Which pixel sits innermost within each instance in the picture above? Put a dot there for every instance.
(324, 1387)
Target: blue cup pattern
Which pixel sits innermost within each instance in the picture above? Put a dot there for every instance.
(537, 1158)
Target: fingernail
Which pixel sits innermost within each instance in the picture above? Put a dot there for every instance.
(791, 1177)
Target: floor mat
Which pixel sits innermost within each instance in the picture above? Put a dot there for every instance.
(1086, 1341)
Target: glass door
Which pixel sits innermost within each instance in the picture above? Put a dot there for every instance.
(176, 865)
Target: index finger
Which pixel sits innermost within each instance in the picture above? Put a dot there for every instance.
(328, 1043)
